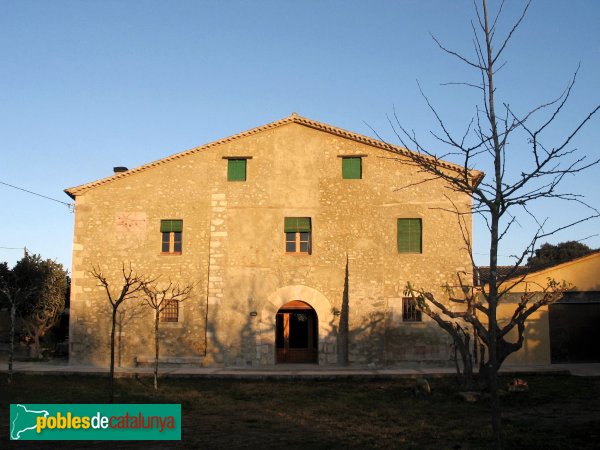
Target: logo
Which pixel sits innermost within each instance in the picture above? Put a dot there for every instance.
(95, 422)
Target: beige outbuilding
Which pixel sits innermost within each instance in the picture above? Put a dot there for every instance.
(564, 332)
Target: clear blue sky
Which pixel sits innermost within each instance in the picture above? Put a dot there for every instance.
(87, 85)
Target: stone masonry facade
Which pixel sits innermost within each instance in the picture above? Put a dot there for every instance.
(234, 250)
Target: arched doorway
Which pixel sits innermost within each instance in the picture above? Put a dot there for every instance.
(296, 333)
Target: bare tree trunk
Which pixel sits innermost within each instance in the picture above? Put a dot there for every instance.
(467, 359)
(37, 351)
(111, 389)
(495, 220)
(475, 346)
(156, 322)
(11, 345)
(120, 340)
(493, 339)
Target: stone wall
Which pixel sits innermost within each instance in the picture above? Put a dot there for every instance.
(234, 251)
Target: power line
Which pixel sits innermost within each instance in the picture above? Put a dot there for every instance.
(24, 249)
(486, 254)
(69, 205)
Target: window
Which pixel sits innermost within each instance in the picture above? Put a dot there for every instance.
(351, 168)
(298, 235)
(410, 311)
(171, 231)
(236, 169)
(170, 313)
(409, 236)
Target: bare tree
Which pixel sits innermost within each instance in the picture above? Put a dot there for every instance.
(159, 298)
(509, 193)
(468, 324)
(129, 287)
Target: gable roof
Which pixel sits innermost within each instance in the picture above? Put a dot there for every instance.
(476, 175)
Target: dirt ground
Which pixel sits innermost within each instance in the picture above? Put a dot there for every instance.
(559, 412)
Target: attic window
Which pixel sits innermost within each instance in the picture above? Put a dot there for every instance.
(352, 166)
(236, 167)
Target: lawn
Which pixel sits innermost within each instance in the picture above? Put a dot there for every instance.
(557, 412)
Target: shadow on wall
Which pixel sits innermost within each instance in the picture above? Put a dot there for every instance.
(365, 340)
(237, 337)
(231, 331)
(127, 315)
(343, 333)
(234, 342)
(89, 341)
(133, 323)
(536, 343)
(244, 335)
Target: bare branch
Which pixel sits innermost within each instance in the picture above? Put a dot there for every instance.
(453, 53)
(514, 28)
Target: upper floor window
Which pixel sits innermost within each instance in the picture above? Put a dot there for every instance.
(410, 236)
(236, 167)
(298, 233)
(171, 231)
(351, 168)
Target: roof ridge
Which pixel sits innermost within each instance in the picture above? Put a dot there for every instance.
(531, 271)
(293, 118)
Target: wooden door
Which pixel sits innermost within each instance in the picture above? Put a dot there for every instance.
(296, 340)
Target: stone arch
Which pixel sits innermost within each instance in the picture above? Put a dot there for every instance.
(323, 308)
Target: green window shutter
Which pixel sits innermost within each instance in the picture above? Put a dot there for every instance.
(167, 226)
(297, 225)
(352, 168)
(177, 226)
(409, 236)
(236, 170)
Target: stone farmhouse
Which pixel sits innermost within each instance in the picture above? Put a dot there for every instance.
(299, 238)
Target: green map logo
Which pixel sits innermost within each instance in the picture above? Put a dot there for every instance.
(95, 422)
(23, 420)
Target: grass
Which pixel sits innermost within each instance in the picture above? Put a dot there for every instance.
(559, 412)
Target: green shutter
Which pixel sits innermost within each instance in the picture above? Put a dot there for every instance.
(236, 170)
(297, 225)
(409, 236)
(352, 168)
(167, 226)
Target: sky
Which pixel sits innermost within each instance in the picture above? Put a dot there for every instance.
(88, 85)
